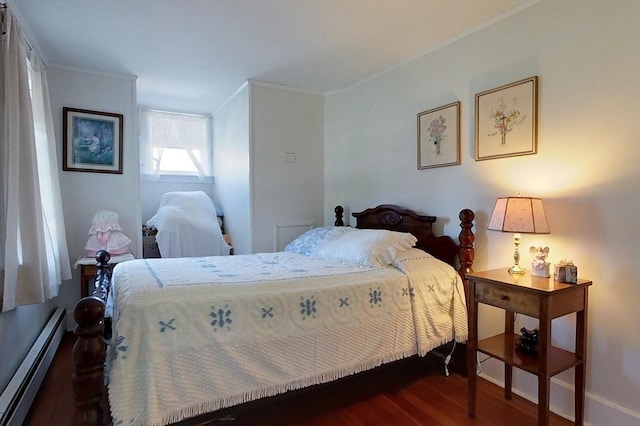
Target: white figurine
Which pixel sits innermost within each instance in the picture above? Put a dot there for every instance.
(539, 265)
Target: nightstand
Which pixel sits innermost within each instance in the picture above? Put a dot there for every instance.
(88, 269)
(541, 298)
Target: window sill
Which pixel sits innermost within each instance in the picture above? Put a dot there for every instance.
(176, 179)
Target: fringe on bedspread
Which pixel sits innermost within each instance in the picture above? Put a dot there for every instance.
(213, 405)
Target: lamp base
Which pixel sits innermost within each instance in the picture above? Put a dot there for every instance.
(516, 269)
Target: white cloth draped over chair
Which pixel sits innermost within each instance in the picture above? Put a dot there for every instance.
(34, 258)
(188, 226)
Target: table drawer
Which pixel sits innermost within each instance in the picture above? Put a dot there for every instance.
(511, 299)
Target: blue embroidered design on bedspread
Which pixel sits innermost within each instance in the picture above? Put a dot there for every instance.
(166, 325)
(265, 266)
(408, 291)
(119, 348)
(262, 267)
(221, 318)
(308, 307)
(153, 273)
(375, 297)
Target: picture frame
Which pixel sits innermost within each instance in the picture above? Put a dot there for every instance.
(439, 136)
(92, 141)
(507, 120)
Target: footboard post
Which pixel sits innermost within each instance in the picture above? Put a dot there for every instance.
(88, 353)
(466, 252)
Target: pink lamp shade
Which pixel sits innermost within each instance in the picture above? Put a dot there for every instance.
(519, 214)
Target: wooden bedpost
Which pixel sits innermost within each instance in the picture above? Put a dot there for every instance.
(339, 212)
(466, 238)
(89, 349)
(466, 254)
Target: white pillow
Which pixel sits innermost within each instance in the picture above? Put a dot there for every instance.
(315, 238)
(371, 247)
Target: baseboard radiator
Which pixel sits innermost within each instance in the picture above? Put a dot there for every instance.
(16, 399)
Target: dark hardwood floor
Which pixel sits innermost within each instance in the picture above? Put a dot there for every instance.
(409, 392)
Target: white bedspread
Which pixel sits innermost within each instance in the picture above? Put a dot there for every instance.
(194, 335)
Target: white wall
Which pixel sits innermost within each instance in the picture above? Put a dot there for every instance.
(586, 171)
(287, 164)
(232, 166)
(268, 165)
(85, 193)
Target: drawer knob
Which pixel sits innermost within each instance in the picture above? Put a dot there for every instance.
(504, 297)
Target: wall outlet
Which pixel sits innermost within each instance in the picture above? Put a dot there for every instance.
(289, 157)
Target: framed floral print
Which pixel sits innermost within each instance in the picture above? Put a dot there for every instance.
(507, 120)
(92, 141)
(439, 137)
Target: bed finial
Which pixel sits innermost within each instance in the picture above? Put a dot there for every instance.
(102, 256)
(339, 212)
(466, 238)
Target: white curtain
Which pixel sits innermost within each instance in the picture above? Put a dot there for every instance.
(162, 130)
(191, 129)
(150, 130)
(33, 255)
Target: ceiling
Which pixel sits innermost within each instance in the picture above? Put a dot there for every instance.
(192, 55)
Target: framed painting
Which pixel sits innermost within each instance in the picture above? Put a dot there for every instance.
(439, 137)
(507, 120)
(92, 141)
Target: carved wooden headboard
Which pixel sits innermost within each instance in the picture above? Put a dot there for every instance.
(396, 218)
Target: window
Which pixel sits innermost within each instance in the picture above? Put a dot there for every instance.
(175, 144)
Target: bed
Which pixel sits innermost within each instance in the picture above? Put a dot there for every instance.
(265, 331)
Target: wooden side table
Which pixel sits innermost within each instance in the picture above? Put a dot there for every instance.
(541, 298)
(88, 269)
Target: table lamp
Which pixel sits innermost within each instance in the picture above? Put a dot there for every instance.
(518, 215)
